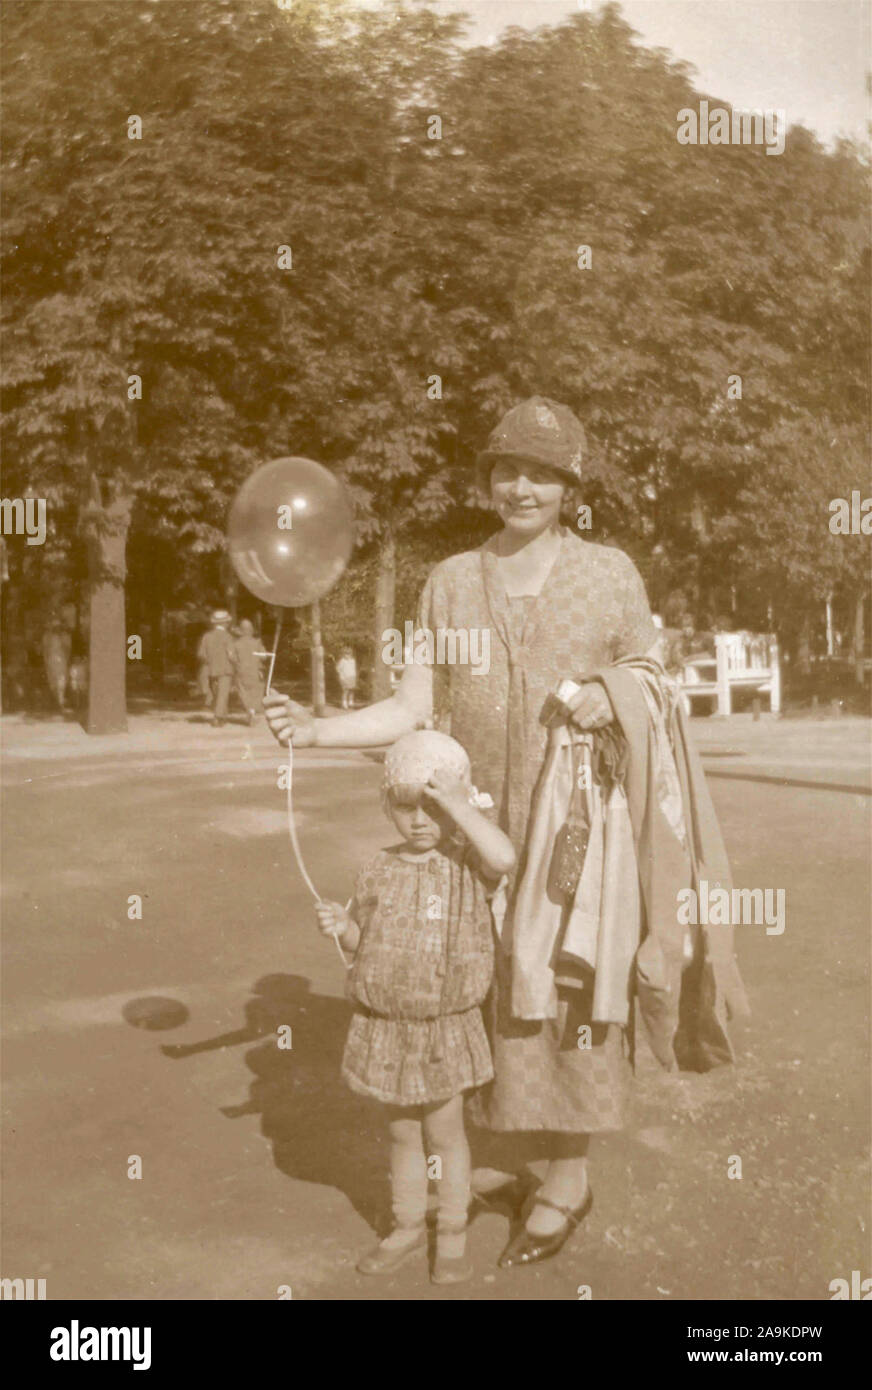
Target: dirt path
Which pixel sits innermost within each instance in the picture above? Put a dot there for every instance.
(259, 1168)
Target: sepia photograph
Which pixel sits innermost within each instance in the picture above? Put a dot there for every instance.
(436, 594)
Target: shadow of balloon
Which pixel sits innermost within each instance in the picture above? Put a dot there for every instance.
(155, 1012)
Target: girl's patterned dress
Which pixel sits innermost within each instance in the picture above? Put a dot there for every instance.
(591, 611)
(422, 970)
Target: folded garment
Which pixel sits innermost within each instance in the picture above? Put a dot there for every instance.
(650, 826)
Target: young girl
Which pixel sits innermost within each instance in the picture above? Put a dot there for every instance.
(420, 924)
(346, 672)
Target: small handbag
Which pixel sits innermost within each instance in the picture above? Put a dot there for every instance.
(570, 844)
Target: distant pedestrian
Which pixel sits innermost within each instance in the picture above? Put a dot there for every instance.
(217, 656)
(346, 672)
(679, 646)
(79, 682)
(249, 673)
(57, 643)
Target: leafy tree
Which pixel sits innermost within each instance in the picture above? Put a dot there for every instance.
(411, 258)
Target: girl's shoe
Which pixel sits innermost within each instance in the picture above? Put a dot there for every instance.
(527, 1249)
(384, 1259)
(451, 1271)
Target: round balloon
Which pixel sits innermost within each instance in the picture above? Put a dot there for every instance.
(290, 532)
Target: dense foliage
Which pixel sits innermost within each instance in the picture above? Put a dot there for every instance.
(309, 126)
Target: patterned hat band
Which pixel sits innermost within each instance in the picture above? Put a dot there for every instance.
(541, 432)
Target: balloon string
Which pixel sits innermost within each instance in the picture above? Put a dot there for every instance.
(292, 828)
(272, 663)
(292, 831)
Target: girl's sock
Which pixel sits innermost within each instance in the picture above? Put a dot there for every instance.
(454, 1192)
(408, 1180)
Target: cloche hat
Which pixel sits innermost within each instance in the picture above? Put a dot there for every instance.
(539, 431)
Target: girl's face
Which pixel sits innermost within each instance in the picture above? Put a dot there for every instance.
(419, 820)
(527, 496)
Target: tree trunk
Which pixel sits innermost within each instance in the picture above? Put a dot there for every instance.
(3, 577)
(699, 517)
(108, 522)
(229, 585)
(162, 653)
(803, 659)
(385, 599)
(859, 637)
(318, 693)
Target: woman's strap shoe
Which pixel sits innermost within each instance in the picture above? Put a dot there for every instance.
(526, 1248)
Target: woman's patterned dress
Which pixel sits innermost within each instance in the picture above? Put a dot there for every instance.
(591, 611)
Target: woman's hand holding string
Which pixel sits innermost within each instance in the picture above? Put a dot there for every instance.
(289, 722)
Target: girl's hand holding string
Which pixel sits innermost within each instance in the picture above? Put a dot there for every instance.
(333, 920)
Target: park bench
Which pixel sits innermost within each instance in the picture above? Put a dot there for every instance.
(742, 661)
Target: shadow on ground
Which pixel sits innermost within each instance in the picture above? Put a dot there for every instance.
(307, 1112)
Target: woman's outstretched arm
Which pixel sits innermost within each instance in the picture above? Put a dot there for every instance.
(409, 708)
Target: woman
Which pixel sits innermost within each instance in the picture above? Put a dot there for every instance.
(555, 607)
(249, 673)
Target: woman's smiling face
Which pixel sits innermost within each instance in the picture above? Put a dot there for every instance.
(527, 495)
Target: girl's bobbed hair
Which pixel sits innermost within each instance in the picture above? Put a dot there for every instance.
(406, 794)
